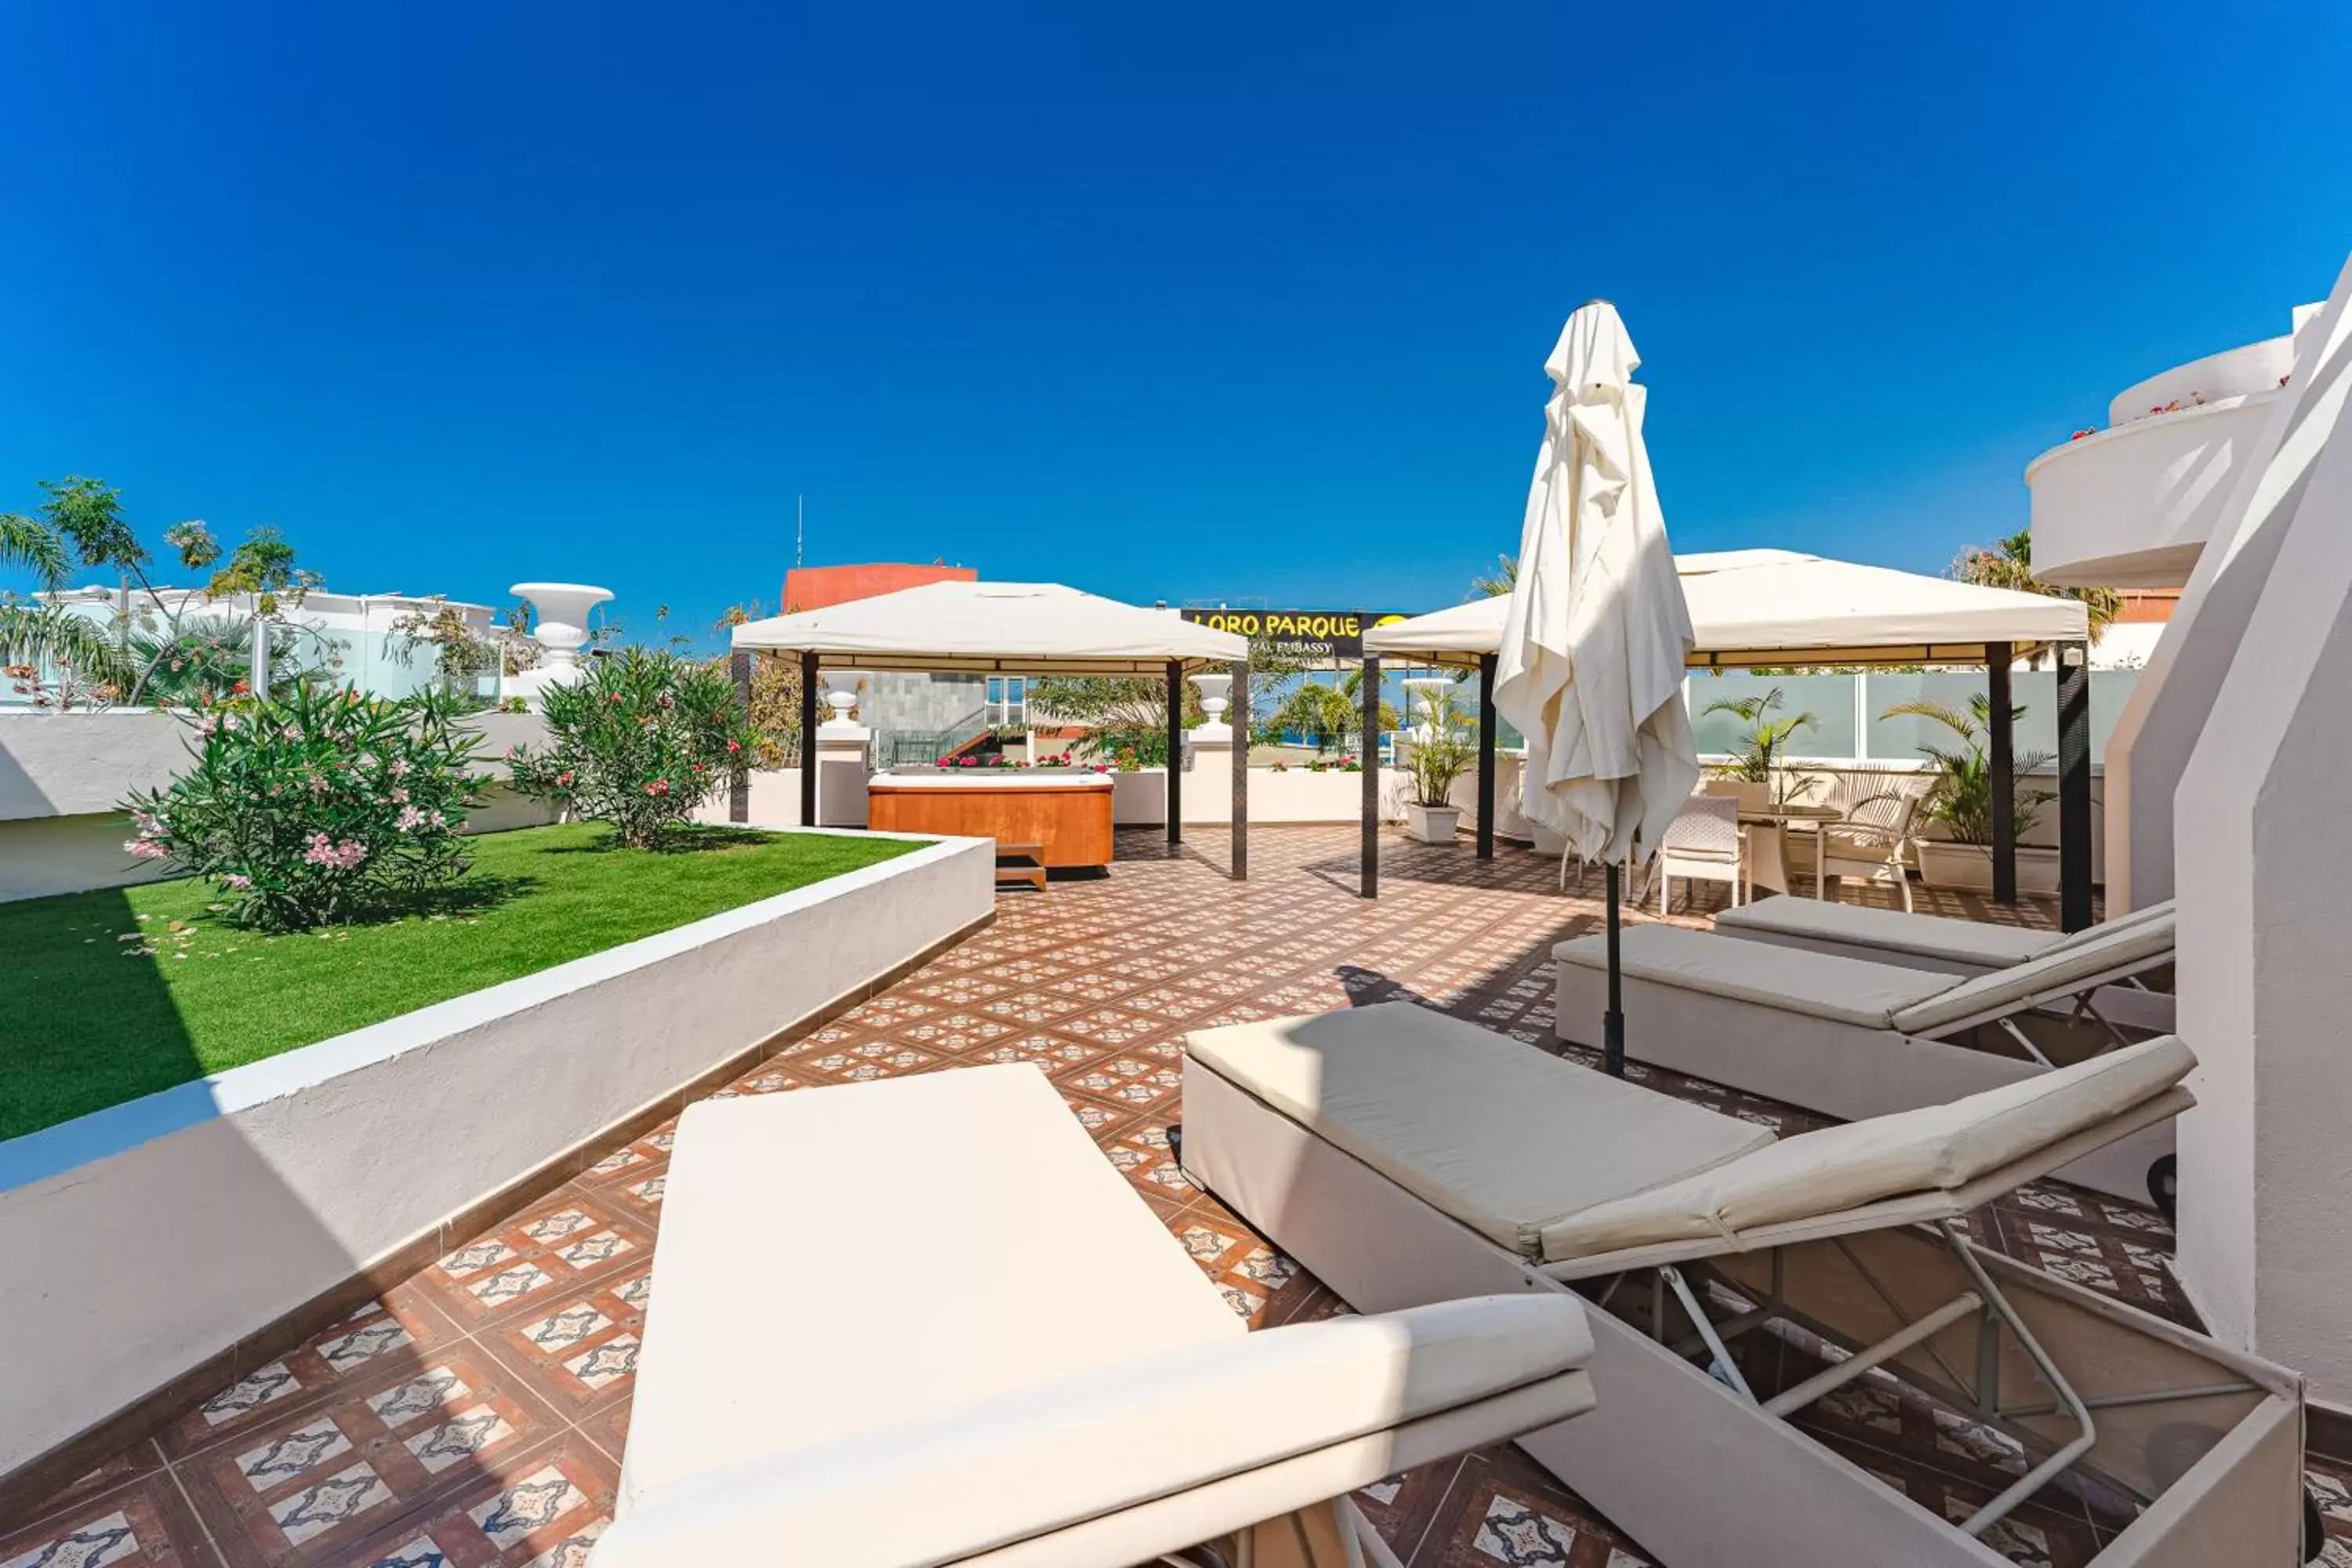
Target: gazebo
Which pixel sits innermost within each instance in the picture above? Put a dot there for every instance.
(1009, 628)
(1781, 608)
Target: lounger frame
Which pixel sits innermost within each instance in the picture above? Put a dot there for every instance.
(1841, 1070)
(1697, 1474)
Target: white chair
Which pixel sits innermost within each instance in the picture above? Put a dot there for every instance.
(1701, 845)
(845, 1366)
(1405, 1156)
(1874, 842)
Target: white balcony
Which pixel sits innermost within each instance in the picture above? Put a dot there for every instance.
(2131, 506)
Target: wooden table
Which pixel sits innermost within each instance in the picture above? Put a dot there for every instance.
(1780, 819)
(1067, 815)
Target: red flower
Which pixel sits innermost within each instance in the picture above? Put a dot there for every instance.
(242, 689)
(733, 748)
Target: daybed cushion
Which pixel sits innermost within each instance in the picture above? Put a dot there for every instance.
(816, 1277)
(1935, 1149)
(2159, 910)
(2125, 943)
(1823, 986)
(959, 1482)
(1497, 1134)
(1890, 931)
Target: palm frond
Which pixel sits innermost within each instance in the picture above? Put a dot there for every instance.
(29, 542)
(44, 633)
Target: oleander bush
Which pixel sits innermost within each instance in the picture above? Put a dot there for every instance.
(638, 742)
(315, 805)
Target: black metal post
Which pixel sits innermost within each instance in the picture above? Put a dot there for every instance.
(808, 740)
(1613, 1021)
(2000, 769)
(2073, 785)
(1238, 712)
(1486, 726)
(739, 789)
(1175, 752)
(1369, 877)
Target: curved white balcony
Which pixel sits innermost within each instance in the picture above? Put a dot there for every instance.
(2132, 506)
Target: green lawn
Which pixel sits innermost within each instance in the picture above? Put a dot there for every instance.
(107, 996)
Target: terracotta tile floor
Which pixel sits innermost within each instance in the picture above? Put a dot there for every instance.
(476, 1414)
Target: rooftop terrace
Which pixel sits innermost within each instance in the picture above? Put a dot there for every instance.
(476, 1413)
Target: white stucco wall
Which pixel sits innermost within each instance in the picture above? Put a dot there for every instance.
(142, 1240)
(2148, 749)
(2263, 858)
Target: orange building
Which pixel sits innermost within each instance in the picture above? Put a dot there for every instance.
(821, 587)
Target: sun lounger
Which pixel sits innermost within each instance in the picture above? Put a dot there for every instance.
(853, 1359)
(1405, 1156)
(1941, 943)
(1854, 1038)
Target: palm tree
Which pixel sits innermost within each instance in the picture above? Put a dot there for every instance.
(1759, 759)
(1961, 796)
(45, 633)
(2009, 564)
(1504, 577)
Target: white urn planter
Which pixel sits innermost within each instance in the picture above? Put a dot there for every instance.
(1431, 824)
(1967, 868)
(563, 630)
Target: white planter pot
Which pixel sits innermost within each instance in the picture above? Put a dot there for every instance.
(1431, 824)
(1969, 867)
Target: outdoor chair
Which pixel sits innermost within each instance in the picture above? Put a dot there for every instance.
(846, 1365)
(1854, 1039)
(1733, 1280)
(1945, 945)
(1873, 842)
(1701, 844)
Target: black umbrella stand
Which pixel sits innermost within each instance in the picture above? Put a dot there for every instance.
(1613, 1022)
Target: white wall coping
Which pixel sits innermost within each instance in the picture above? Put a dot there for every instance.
(53, 1150)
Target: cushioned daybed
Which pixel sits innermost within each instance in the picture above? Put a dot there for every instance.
(1405, 1156)
(851, 1362)
(1854, 1039)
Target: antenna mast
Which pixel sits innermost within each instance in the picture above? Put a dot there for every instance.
(800, 527)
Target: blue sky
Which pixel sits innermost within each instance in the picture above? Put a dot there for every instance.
(1218, 301)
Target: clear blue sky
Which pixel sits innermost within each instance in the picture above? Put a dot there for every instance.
(1174, 303)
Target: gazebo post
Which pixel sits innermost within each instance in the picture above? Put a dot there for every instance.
(1486, 725)
(1238, 716)
(808, 739)
(1368, 883)
(2073, 786)
(739, 789)
(1175, 751)
(2000, 770)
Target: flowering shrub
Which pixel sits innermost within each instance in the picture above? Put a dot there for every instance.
(639, 740)
(1345, 764)
(314, 806)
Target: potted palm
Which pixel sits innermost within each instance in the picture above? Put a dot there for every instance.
(1959, 804)
(1756, 768)
(1442, 753)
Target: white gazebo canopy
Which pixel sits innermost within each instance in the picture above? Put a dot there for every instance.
(1782, 608)
(1009, 628)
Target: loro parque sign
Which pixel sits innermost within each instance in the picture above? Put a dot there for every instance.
(1300, 634)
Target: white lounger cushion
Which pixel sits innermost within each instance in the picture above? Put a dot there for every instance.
(2055, 973)
(1823, 986)
(1936, 1148)
(959, 1483)
(796, 1225)
(2159, 910)
(1890, 930)
(1501, 1136)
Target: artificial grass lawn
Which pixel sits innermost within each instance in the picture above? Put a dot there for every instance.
(90, 1016)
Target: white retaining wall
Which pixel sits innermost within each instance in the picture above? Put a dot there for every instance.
(142, 1240)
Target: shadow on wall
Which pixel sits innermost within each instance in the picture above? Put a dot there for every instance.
(86, 1018)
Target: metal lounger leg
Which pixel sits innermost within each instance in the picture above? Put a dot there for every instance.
(1726, 1369)
(2087, 1437)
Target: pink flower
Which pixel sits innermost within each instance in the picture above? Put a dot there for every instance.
(409, 818)
(399, 794)
(565, 777)
(658, 788)
(236, 882)
(400, 768)
(145, 850)
(733, 747)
